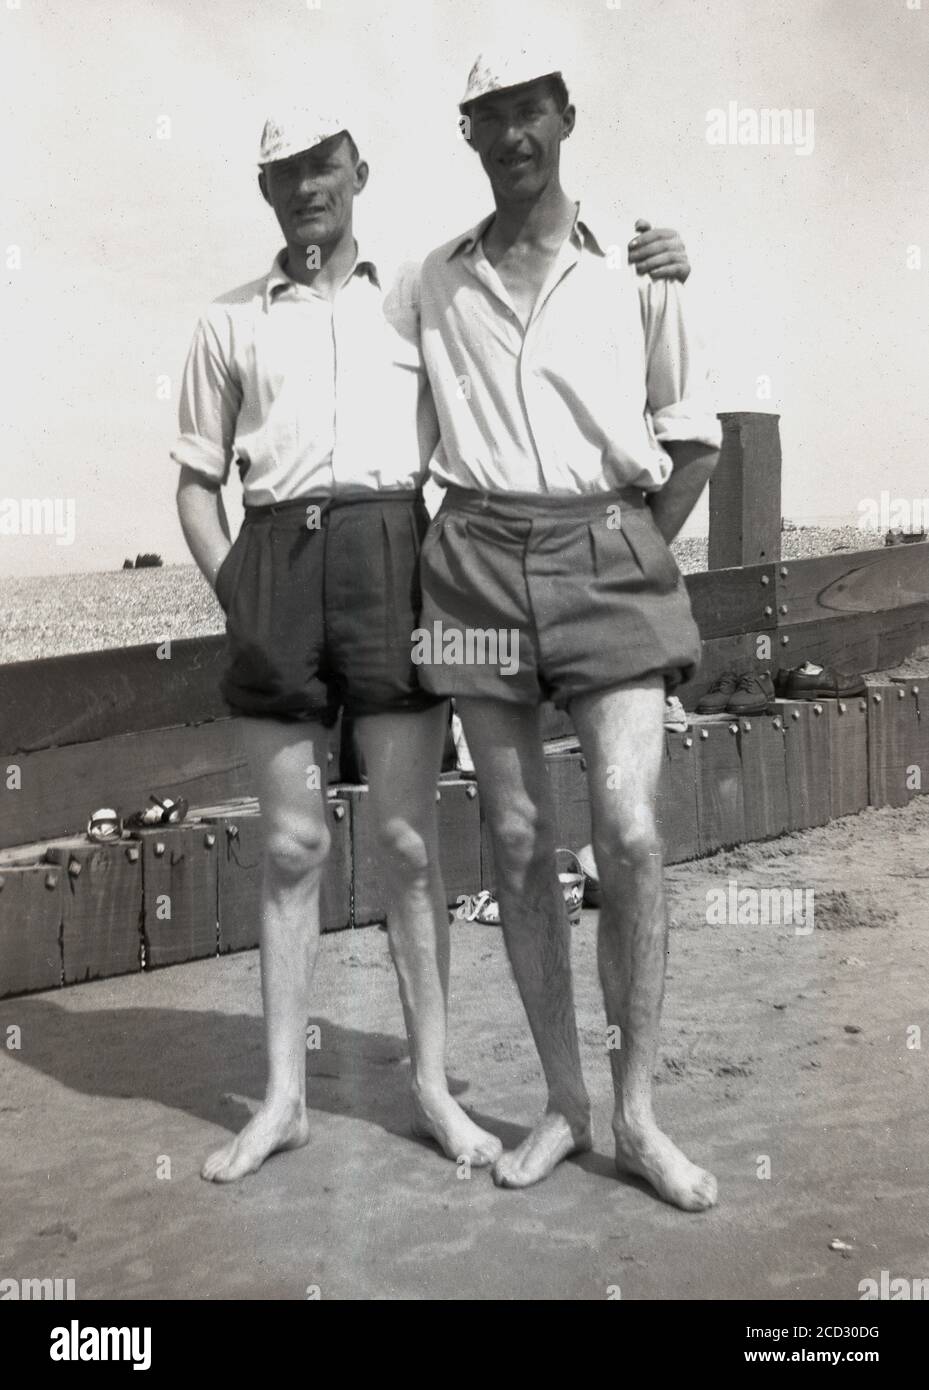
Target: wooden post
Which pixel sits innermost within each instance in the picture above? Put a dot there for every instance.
(745, 492)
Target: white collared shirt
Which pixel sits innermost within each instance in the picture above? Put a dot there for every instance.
(308, 395)
(581, 400)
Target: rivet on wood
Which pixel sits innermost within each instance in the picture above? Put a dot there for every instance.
(733, 728)
(795, 714)
(746, 726)
(209, 839)
(74, 867)
(704, 733)
(768, 610)
(785, 641)
(777, 721)
(51, 880)
(232, 831)
(339, 812)
(817, 709)
(842, 707)
(688, 743)
(901, 694)
(765, 579)
(782, 609)
(862, 704)
(915, 690)
(159, 849)
(132, 853)
(783, 573)
(471, 791)
(877, 699)
(438, 795)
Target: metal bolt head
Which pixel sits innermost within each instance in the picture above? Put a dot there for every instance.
(232, 831)
(339, 812)
(160, 848)
(783, 572)
(765, 579)
(746, 726)
(704, 733)
(470, 791)
(862, 704)
(817, 709)
(915, 690)
(777, 721)
(733, 728)
(782, 609)
(132, 853)
(438, 795)
(209, 839)
(688, 743)
(795, 714)
(877, 699)
(785, 641)
(51, 880)
(74, 867)
(768, 610)
(901, 694)
(842, 707)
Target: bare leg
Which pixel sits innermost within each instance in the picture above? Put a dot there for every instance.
(296, 842)
(622, 739)
(403, 755)
(506, 744)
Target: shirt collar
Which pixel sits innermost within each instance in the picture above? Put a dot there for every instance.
(279, 282)
(581, 234)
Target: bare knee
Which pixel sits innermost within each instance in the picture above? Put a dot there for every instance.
(523, 841)
(405, 851)
(628, 844)
(296, 850)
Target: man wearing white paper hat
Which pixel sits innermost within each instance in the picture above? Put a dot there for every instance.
(577, 448)
(321, 400)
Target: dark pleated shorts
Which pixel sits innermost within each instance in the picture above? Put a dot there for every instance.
(321, 595)
(584, 589)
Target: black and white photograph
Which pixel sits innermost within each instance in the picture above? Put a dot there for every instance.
(464, 662)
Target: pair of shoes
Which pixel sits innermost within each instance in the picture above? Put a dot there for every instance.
(739, 692)
(812, 682)
(675, 716)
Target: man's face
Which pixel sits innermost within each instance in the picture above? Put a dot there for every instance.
(518, 135)
(312, 192)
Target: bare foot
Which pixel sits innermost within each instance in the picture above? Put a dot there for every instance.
(650, 1154)
(552, 1139)
(438, 1117)
(275, 1126)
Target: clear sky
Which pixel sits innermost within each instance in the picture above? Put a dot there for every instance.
(805, 268)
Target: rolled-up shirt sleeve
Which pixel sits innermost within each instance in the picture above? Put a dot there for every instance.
(209, 406)
(680, 403)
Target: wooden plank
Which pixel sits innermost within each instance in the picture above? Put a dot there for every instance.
(894, 745)
(745, 491)
(571, 794)
(856, 641)
(30, 925)
(102, 911)
(849, 756)
(89, 696)
(459, 838)
(179, 880)
(60, 787)
(677, 800)
(860, 581)
(730, 601)
(808, 744)
(720, 804)
(764, 776)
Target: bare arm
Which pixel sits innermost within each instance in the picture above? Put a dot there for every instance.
(203, 521)
(672, 505)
